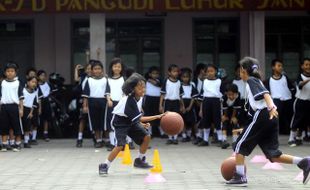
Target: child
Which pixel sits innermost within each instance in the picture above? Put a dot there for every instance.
(46, 112)
(190, 93)
(210, 109)
(281, 89)
(301, 104)
(152, 96)
(83, 116)
(171, 97)
(127, 120)
(231, 113)
(199, 76)
(95, 95)
(30, 103)
(116, 81)
(11, 99)
(263, 129)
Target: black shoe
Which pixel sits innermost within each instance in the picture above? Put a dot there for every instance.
(164, 136)
(169, 141)
(306, 139)
(304, 164)
(79, 143)
(110, 147)
(187, 139)
(298, 142)
(98, 145)
(224, 145)
(9, 147)
(46, 138)
(197, 141)
(27, 145)
(4, 148)
(175, 141)
(141, 163)
(203, 143)
(103, 169)
(16, 148)
(238, 180)
(292, 143)
(131, 146)
(34, 142)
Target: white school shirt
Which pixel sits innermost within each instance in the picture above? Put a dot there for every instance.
(30, 98)
(45, 89)
(212, 88)
(255, 91)
(241, 87)
(279, 88)
(11, 92)
(172, 90)
(116, 85)
(96, 88)
(152, 90)
(303, 92)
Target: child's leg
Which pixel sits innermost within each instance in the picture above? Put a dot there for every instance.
(113, 154)
(287, 159)
(12, 137)
(144, 146)
(297, 120)
(81, 129)
(26, 137)
(45, 129)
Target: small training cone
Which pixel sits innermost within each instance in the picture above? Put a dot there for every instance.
(299, 177)
(273, 166)
(154, 178)
(259, 159)
(157, 167)
(120, 154)
(127, 157)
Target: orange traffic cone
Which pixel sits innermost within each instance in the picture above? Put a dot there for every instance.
(157, 167)
(127, 157)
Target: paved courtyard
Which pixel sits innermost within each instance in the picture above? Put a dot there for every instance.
(60, 165)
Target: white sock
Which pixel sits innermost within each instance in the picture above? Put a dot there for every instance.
(184, 135)
(26, 138)
(170, 137)
(150, 130)
(5, 142)
(80, 136)
(308, 133)
(108, 162)
(206, 133)
(219, 135)
(161, 131)
(292, 136)
(224, 137)
(199, 133)
(189, 133)
(45, 132)
(303, 134)
(18, 142)
(34, 134)
(112, 138)
(99, 140)
(240, 169)
(235, 138)
(175, 137)
(12, 142)
(296, 160)
(141, 156)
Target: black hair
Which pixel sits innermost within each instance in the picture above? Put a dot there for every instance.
(232, 88)
(212, 66)
(304, 60)
(275, 61)
(251, 65)
(95, 63)
(30, 78)
(115, 61)
(172, 66)
(130, 84)
(31, 70)
(199, 67)
(11, 65)
(40, 72)
(151, 69)
(186, 70)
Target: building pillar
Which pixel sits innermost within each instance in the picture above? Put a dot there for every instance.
(252, 37)
(98, 37)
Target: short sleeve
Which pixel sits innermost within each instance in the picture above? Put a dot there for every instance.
(194, 91)
(20, 91)
(298, 82)
(107, 89)
(257, 88)
(40, 94)
(163, 87)
(181, 89)
(132, 110)
(86, 90)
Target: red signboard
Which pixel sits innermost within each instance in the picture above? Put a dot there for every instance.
(89, 6)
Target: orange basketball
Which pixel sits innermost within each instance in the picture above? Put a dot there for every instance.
(172, 123)
(228, 168)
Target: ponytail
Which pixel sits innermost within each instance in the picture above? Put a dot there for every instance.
(251, 65)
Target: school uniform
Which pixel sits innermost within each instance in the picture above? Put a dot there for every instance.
(11, 92)
(190, 93)
(46, 112)
(116, 95)
(82, 115)
(172, 91)
(281, 92)
(261, 131)
(30, 103)
(126, 121)
(211, 106)
(95, 91)
(243, 115)
(301, 104)
(230, 106)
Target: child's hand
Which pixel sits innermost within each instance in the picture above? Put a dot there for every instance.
(110, 103)
(30, 116)
(273, 113)
(85, 109)
(234, 120)
(161, 109)
(146, 125)
(21, 113)
(200, 113)
(224, 118)
(182, 109)
(188, 109)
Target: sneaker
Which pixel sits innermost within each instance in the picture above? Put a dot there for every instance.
(298, 142)
(103, 169)
(197, 141)
(203, 143)
(34, 142)
(98, 145)
(16, 148)
(187, 139)
(169, 141)
(4, 148)
(79, 143)
(131, 146)
(175, 141)
(292, 143)
(224, 145)
(9, 147)
(238, 180)
(27, 145)
(164, 136)
(304, 164)
(46, 138)
(141, 163)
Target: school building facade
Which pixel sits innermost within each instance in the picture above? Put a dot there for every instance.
(56, 35)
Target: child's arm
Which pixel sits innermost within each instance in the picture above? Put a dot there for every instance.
(161, 101)
(77, 78)
(144, 119)
(21, 108)
(85, 105)
(270, 105)
(190, 105)
(182, 107)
